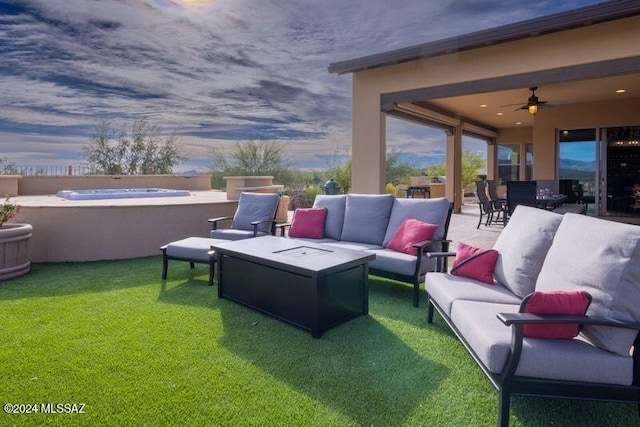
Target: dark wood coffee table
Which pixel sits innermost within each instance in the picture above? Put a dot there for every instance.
(314, 288)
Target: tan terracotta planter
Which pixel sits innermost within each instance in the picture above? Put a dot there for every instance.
(14, 250)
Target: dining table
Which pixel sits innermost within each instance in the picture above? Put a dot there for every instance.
(550, 201)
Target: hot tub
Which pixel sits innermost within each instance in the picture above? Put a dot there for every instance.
(120, 193)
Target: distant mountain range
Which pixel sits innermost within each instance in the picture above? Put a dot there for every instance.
(578, 165)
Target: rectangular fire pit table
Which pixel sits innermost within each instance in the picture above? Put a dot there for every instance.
(311, 287)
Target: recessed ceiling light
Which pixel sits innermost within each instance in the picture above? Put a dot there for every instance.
(518, 123)
(499, 114)
(621, 91)
(483, 105)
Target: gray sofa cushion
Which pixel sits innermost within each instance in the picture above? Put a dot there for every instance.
(255, 207)
(446, 288)
(232, 234)
(568, 360)
(191, 248)
(522, 247)
(602, 258)
(433, 211)
(335, 206)
(394, 262)
(351, 246)
(366, 218)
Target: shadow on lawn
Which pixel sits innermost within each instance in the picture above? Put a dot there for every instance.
(360, 368)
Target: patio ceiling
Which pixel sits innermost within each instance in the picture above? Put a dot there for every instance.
(577, 92)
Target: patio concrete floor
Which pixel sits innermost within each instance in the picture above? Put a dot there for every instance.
(463, 228)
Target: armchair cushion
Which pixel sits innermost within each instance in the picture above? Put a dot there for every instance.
(474, 263)
(366, 218)
(255, 207)
(523, 245)
(308, 223)
(411, 231)
(558, 302)
(336, 206)
(605, 262)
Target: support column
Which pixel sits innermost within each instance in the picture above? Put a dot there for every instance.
(453, 188)
(368, 149)
(492, 149)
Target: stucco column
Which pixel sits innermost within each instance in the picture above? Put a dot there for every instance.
(453, 189)
(368, 150)
(492, 154)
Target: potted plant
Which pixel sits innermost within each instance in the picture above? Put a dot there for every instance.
(14, 243)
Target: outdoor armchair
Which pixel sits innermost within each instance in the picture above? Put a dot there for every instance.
(254, 217)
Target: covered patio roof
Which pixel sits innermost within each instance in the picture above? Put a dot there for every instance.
(475, 83)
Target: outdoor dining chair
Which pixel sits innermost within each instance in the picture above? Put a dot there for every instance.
(521, 193)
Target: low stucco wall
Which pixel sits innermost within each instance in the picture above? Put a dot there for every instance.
(9, 185)
(38, 185)
(66, 230)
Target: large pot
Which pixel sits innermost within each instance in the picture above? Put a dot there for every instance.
(14, 250)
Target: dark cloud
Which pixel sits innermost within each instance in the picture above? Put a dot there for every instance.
(233, 70)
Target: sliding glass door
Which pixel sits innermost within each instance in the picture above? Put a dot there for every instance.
(578, 166)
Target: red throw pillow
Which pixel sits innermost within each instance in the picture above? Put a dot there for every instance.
(557, 302)
(411, 231)
(308, 222)
(475, 263)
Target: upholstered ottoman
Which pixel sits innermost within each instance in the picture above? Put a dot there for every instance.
(191, 249)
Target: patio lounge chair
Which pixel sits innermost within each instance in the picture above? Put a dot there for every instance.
(254, 217)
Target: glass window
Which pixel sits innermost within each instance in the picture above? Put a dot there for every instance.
(577, 155)
(508, 163)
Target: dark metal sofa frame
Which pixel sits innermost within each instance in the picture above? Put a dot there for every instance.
(508, 384)
(214, 224)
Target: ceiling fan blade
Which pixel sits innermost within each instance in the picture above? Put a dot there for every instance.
(511, 105)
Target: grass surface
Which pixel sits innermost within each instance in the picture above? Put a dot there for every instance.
(137, 351)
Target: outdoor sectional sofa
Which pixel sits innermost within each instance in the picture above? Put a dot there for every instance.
(368, 222)
(542, 251)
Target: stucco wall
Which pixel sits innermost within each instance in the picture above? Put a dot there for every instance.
(36, 185)
(66, 230)
(600, 42)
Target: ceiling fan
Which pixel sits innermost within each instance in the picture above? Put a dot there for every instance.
(533, 103)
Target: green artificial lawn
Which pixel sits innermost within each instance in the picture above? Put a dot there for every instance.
(136, 351)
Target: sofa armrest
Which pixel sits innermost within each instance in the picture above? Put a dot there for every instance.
(421, 246)
(214, 221)
(282, 226)
(442, 258)
(255, 225)
(517, 321)
(522, 318)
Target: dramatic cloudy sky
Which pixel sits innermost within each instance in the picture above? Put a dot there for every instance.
(213, 71)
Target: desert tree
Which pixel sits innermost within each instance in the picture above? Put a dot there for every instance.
(140, 150)
(253, 157)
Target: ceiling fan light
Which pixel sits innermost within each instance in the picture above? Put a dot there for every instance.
(532, 109)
